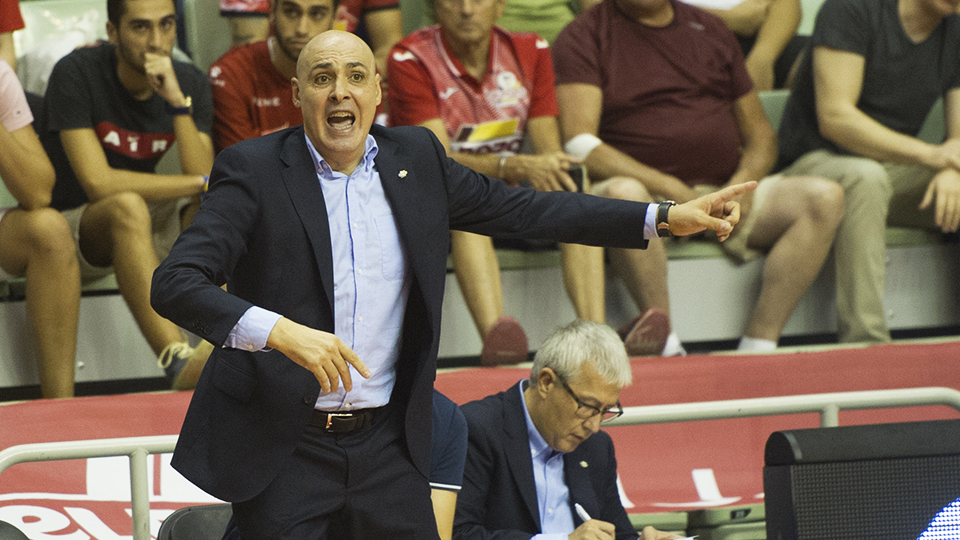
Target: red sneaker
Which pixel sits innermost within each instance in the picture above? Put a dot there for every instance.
(506, 343)
(647, 334)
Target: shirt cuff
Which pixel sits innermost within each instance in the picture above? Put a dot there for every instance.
(552, 536)
(252, 330)
(650, 223)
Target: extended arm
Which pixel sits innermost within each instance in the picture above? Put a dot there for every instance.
(25, 168)
(196, 148)
(546, 170)
(100, 180)
(759, 144)
(745, 18)
(580, 109)
(7, 50)
(777, 29)
(838, 80)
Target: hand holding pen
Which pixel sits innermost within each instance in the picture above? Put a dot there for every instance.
(649, 533)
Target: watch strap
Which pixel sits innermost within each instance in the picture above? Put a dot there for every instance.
(663, 221)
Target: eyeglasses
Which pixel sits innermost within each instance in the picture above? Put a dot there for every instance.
(587, 411)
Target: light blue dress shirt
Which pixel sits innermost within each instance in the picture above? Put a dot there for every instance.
(371, 282)
(553, 496)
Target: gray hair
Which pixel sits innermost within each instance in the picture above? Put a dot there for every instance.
(578, 343)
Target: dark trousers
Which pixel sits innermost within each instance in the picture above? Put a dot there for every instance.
(358, 485)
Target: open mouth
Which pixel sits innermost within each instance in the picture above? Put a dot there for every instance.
(341, 120)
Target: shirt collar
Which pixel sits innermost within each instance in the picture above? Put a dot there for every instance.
(538, 445)
(323, 169)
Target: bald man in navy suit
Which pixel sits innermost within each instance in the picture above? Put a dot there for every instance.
(313, 414)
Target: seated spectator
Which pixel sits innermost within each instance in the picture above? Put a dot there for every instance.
(528, 445)
(688, 122)
(251, 83)
(545, 18)
(111, 112)
(35, 242)
(480, 90)
(767, 33)
(381, 20)
(10, 21)
(876, 69)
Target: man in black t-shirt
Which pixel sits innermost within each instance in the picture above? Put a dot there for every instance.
(111, 112)
(875, 70)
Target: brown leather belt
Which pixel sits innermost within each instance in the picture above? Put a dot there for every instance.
(343, 422)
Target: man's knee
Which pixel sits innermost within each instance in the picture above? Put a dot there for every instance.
(623, 188)
(823, 200)
(122, 212)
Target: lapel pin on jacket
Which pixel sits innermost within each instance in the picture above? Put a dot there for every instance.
(584, 464)
(403, 173)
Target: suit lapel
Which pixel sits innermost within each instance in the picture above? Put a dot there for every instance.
(518, 451)
(304, 187)
(576, 471)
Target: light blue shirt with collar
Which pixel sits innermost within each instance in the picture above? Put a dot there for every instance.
(371, 282)
(553, 495)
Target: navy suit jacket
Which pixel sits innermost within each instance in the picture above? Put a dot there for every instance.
(262, 230)
(499, 495)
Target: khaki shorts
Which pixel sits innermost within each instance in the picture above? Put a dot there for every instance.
(165, 223)
(735, 246)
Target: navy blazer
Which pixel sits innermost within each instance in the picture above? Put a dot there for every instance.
(262, 230)
(499, 496)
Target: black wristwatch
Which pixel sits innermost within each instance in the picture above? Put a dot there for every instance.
(187, 107)
(663, 222)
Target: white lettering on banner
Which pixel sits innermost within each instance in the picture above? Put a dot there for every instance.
(94, 525)
(37, 521)
(706, 484)
(133, 144)
(624, 500)
(159, 146)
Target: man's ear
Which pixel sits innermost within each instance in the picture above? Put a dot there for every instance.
(295, 92)
(111, 32)
(546, 378)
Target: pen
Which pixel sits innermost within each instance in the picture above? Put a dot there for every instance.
(581, 512)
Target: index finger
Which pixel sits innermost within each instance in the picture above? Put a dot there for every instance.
(567, 182)
(730, 192)
(351, 357)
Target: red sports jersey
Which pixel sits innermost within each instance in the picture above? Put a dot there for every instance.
(427, 81)
(350, 11)
(10, 17)
(250, 97)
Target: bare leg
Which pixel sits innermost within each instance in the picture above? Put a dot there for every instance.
(584, 281)
(38, 244)
(116, 231)
(797, 223)
(478, 274)
(644, 272)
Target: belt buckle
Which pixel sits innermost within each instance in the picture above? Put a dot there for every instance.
(331, 416)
